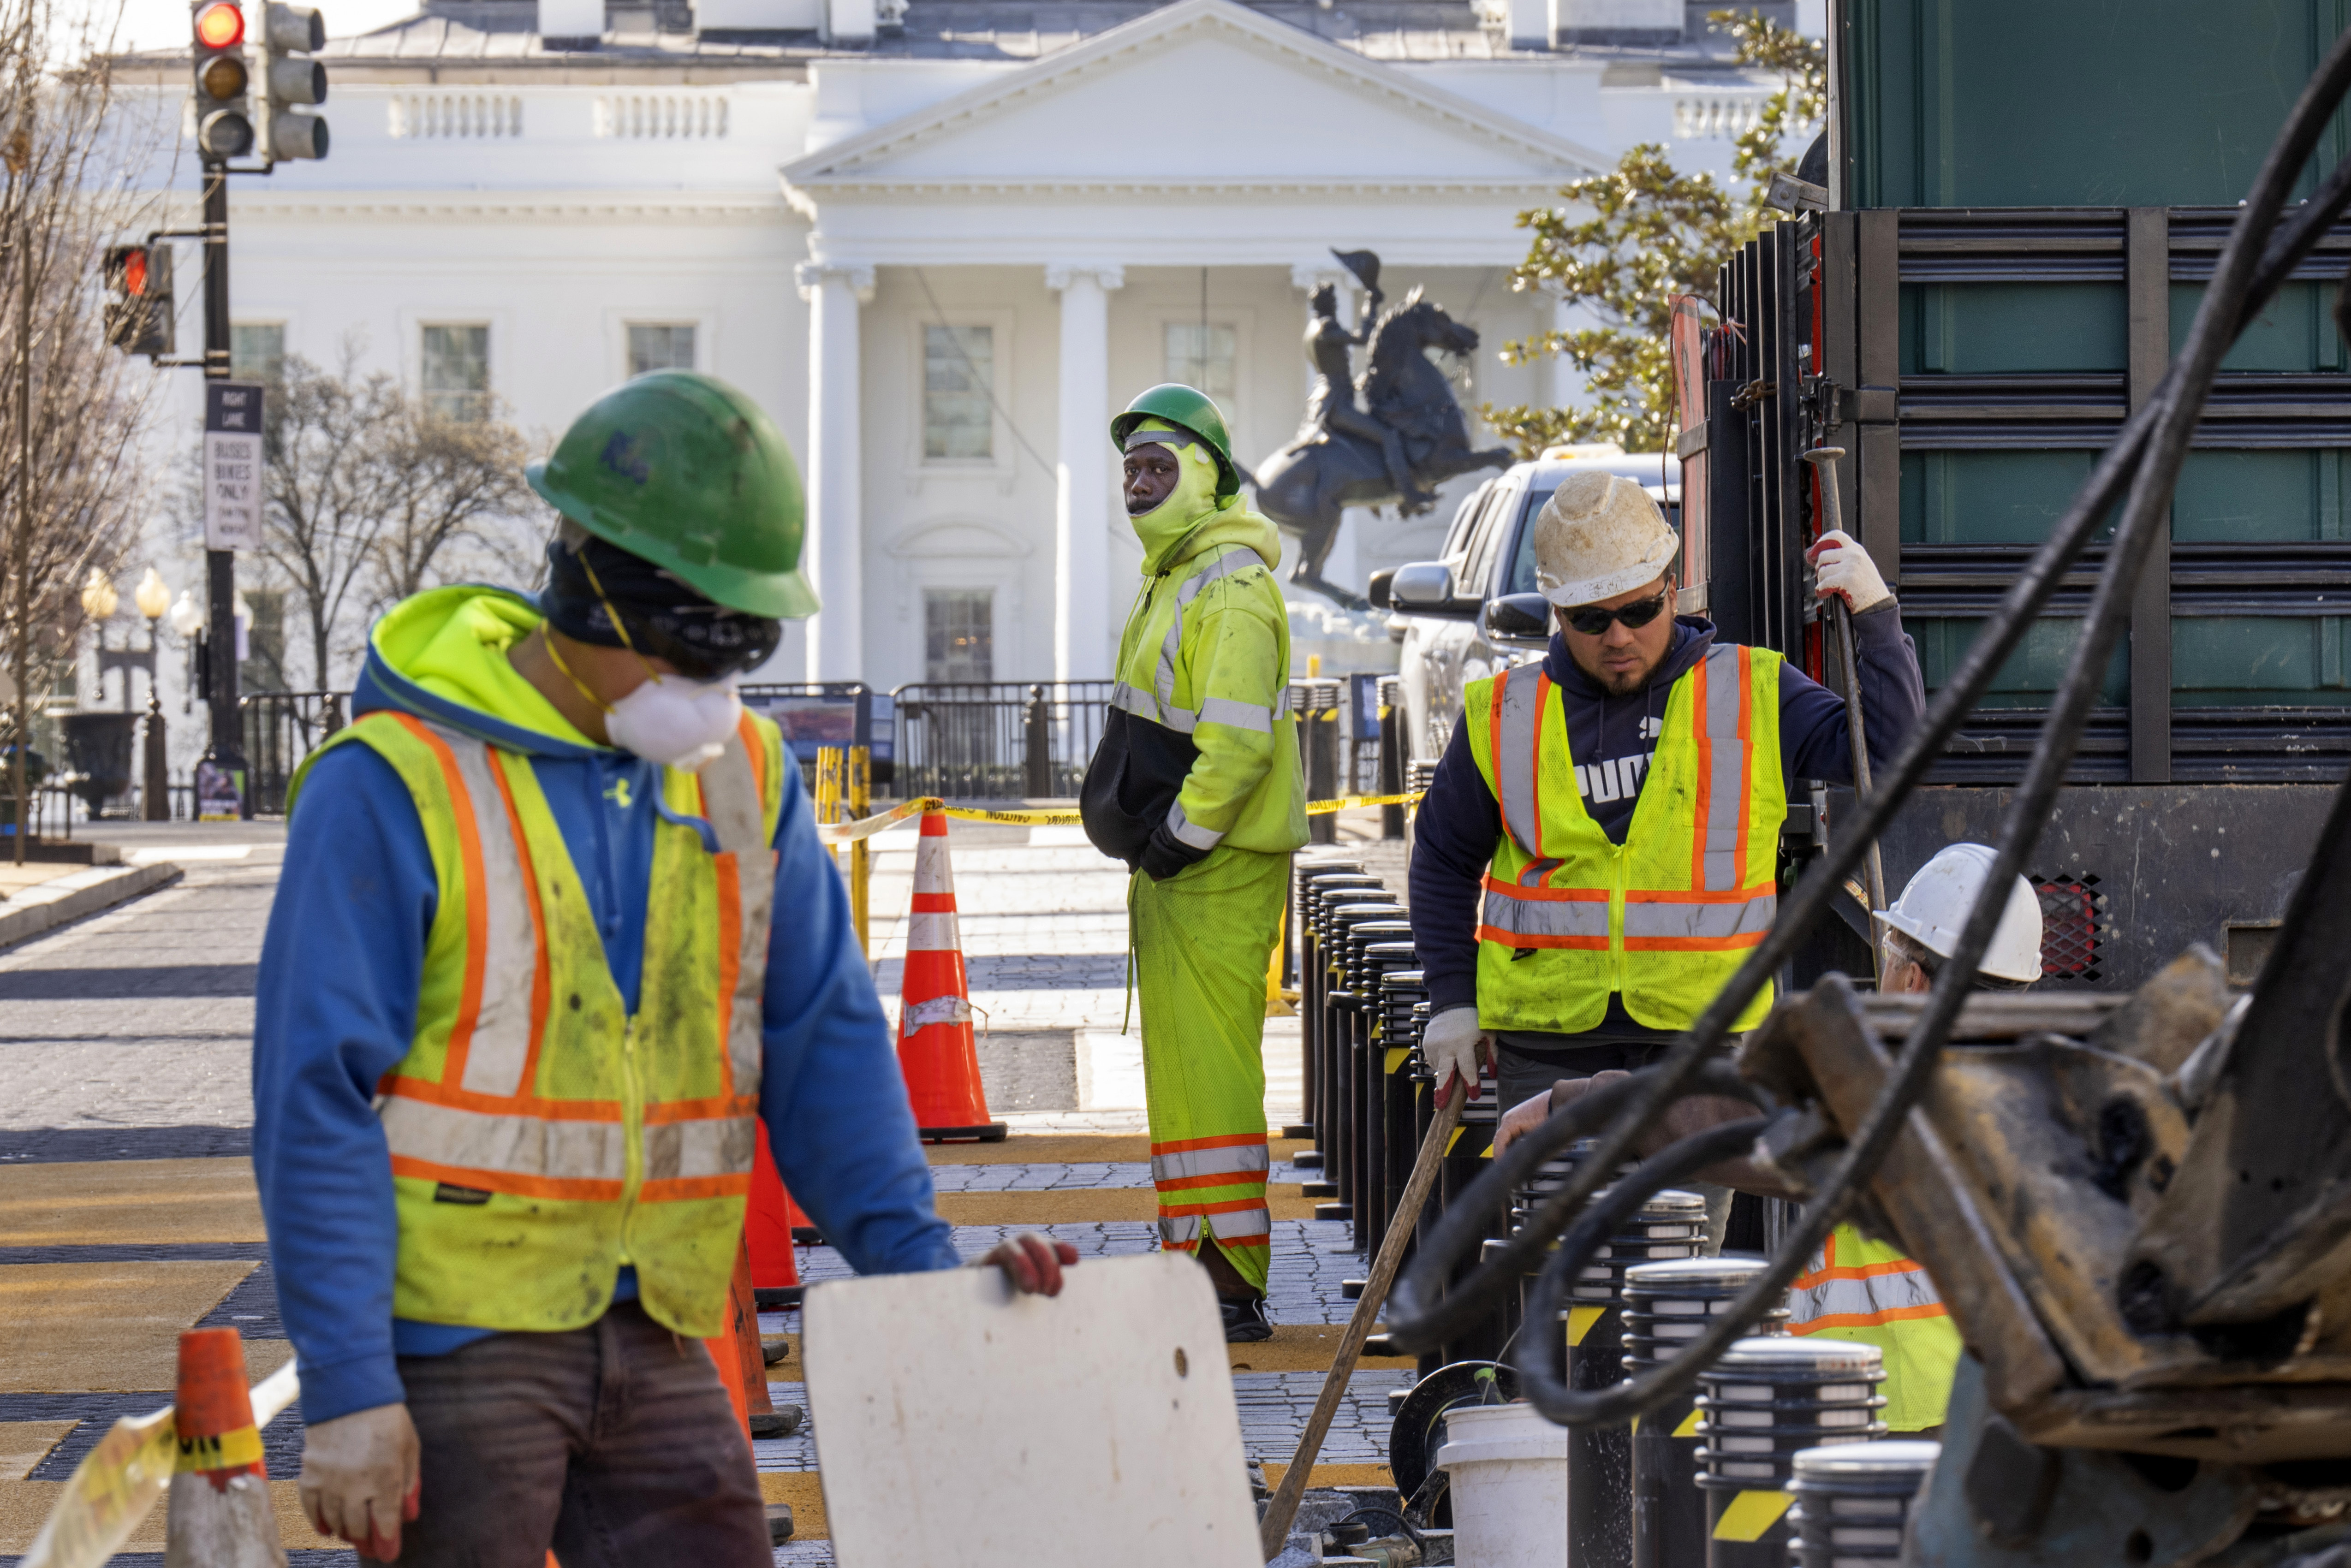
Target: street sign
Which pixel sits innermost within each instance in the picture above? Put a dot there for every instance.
(232, 465)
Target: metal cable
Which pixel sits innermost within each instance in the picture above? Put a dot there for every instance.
(2148, 453)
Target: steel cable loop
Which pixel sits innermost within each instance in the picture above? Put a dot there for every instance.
(1540, 1357)
(2171, 415)
(1423, 1310)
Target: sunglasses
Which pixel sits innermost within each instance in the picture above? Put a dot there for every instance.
(1592, 620)
(754, 641)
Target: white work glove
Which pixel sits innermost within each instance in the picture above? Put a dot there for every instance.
(1842, 566)
(1452, 1042)
(359, 1478)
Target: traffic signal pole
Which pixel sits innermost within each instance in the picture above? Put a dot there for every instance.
(228, 748)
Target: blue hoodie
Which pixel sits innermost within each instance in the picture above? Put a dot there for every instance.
(344, 955)
(1458, 823)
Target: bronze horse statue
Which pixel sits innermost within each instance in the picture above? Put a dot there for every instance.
(1306, 484)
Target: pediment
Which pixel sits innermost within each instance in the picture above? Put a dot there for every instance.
(1202, 94)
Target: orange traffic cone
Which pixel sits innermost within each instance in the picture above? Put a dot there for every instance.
(219, 1511)
(770, 1226)
(935, 1049)
(741, 1366)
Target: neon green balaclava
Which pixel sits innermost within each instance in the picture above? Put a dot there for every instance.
(1192, 502)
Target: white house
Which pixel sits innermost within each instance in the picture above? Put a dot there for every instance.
(942, 242)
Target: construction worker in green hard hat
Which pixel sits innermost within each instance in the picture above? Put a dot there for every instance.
(553, 935)
(1196, 786)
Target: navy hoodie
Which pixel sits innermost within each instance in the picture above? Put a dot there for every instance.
(1612, 738)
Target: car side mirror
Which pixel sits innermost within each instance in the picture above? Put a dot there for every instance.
(1518, 616)
(1424, 586)
(1376, 590)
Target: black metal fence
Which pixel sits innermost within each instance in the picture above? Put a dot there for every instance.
(281, 728)
(999, 740)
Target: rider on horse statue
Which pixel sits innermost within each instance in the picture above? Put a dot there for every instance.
(1331, 404)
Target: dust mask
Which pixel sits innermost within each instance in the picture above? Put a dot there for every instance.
(676, 722)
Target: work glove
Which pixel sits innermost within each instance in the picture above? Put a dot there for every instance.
(359, 1478)
(1842, 566)
(1452, 1042)
(1167, 855)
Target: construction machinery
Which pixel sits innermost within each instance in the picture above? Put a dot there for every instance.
(2134, 1192)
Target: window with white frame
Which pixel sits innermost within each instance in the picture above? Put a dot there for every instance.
(959, 635)
(1201, 354)
(660, 346)
(455, 365)
(958, 375)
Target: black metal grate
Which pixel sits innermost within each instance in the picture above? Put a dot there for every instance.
(2074, 929)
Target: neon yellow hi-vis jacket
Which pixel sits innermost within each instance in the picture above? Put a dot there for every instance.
(1197, 741)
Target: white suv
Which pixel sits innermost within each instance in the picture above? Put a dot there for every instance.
(1476, 611)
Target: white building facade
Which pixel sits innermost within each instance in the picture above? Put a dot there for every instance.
(942, 244)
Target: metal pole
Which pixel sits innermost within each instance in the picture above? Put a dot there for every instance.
(25, 485)
(1824, 460)
(226, 750)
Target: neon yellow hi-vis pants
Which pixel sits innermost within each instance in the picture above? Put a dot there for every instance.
(1201, 942)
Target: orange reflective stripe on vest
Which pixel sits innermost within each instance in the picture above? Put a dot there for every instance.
(1855, 1283)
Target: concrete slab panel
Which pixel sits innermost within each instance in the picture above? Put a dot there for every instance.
(111, 1328)
(129, 1202)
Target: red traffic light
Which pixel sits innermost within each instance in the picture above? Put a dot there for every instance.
(219, 26)
(135, 273)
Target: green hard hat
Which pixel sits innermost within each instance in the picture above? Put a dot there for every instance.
(686, 472)
(1195, 412)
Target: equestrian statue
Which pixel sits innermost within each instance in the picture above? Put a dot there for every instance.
(1388, 439)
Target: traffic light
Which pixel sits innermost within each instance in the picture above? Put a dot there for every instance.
(223, 130)
(140, 318)
(290, 36)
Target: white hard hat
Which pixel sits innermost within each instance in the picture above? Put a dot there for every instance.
(1933, 910)
(1597, 537)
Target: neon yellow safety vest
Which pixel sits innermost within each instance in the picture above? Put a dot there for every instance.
(1665, 918)
(540, 1136)
(1856, 1289)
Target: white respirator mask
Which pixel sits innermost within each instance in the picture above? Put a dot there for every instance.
(676, 722)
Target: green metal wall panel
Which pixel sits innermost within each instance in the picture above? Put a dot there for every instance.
(1988, 497)
(2031, 673)
(2247, 660)
(2296, 333)
(2003, 328)
(2037, 103)
(2259, 497)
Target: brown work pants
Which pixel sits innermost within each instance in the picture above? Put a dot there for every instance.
(614, 1445)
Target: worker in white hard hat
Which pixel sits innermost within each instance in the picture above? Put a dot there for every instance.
(1618, 804)
(1856, 1288)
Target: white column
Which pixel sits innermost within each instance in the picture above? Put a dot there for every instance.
(1557, 383)
(834, 549)
(1082, 512)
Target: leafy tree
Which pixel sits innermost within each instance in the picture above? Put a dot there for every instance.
(1623, 244)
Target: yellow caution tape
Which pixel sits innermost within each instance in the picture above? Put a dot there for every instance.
(1351, 803)
(1037, 817)
(1689, 1428)
(1580, 1321)
(1751, 1513)
(229, 1451)
(110, 1491)
(118, 1481)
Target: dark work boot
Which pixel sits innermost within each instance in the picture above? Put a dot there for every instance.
(1245, 1321)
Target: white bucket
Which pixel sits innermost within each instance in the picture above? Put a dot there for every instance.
(1508, 1480)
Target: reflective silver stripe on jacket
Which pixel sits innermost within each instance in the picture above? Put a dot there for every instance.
(499, 1047)
(1546, 916)
(1893, 1297)
(1727, 781)
(1518, 753)
(1240, 1161)
(1187, 832)
(512, 1145)
(1158, 705)
(1240, 1225)
(716, 1147)
(1674, 918)
(732, 806)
